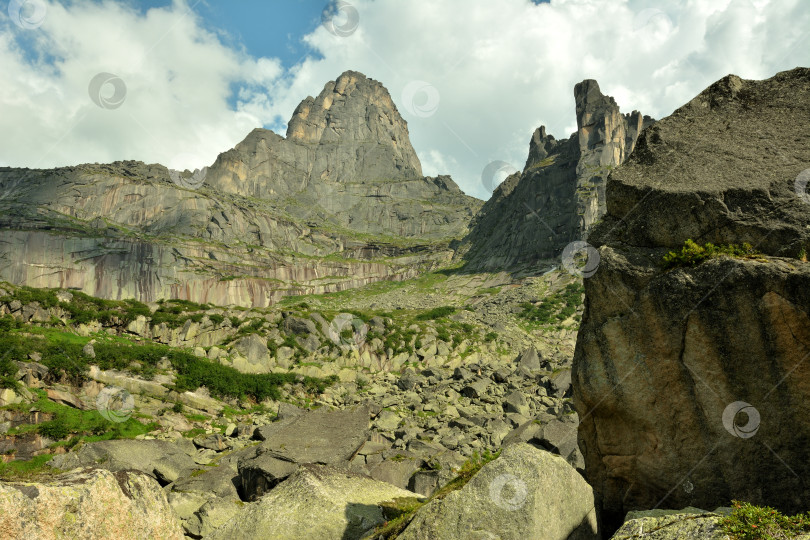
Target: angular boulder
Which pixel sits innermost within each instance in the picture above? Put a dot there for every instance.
(687, 524)
(141, 455)
(524, 493)
(87, 503)
(316, 502)
(320, 436)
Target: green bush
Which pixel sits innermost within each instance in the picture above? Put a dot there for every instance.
(692, 254)
(56, 429)
(436, 313)
(8, 372)
(749, 522)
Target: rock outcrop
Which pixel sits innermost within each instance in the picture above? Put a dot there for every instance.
(340, 203)
(87, 503)
(524, 493)
(692, 382)
(560, 194)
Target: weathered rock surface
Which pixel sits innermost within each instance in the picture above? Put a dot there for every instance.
(524, 493)
(559, 195)
(687, 524)
(87, 503)
(322, 436)
(691, 383)
(123, 454)
(315, 502)
(343, 183)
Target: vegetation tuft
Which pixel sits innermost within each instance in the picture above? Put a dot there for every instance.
(749, 522)
(692, 254)
(555, 307)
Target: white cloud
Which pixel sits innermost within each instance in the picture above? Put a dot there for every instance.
(500, 69)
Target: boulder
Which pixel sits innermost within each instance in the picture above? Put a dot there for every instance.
(298, 325)
(524, 493)
(320, 436)
(692, 382)
(209, 516)
(87, 503)
(316, 502)
(117, 455)
(529, 360)
(259, 474)
(215, 441)
(216, 480)
(254, 356)
(65, 398)
(687, 524)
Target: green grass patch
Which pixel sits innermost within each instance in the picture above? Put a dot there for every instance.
(556, 307)
(749, 522)
(436, 313)
(19, 470)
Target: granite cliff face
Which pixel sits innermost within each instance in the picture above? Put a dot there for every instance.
(692, 384)
(560, 194)
(340, 202)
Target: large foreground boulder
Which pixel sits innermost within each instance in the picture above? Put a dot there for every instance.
(524, 493)
(693, 383)
(87, 503)
(316, 502)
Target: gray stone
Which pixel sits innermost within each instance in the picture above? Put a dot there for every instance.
(320, 436)
(88, 503)
(516, 402)
(315, 502)
(117, 455)
(262, 473)
(214, 441)
(561, 384)
(688, 524)
(525, 493)
(476, 389)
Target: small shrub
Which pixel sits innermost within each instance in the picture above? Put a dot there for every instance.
(749, 522)
(692, 254)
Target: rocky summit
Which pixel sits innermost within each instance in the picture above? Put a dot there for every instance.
(560, 194)
(340, 202)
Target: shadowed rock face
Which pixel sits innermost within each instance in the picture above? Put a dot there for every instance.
(315, 212)
(665, 358)
(560, 194)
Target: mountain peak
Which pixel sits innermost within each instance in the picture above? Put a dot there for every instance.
(354, 109)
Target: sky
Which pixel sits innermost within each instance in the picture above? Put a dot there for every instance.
(178, 82)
